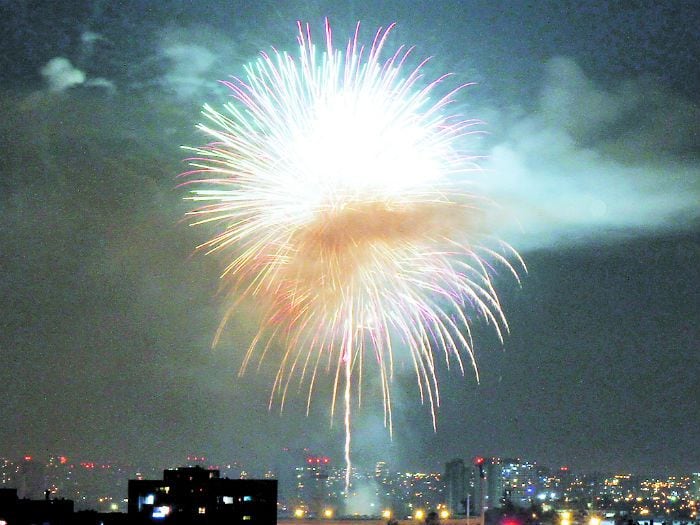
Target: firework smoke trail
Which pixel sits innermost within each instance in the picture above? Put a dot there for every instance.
(343, 207)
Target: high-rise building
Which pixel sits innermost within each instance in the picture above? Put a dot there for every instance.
(507, 481)
(519, 482)
(313, 485)
(695, 486)
(195, 495)
(455, 486)
(493, 468)
(30, 478)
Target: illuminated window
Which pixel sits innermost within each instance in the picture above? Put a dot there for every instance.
(202, 510)
(228, 500)
(148, 499)
(247, 498)
(160, 512)
(245, 518)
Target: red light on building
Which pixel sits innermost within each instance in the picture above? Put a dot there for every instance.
(28, 458)
(564, 469)
(318, 460)
(511, 521)
(62, 460)
(479, 462)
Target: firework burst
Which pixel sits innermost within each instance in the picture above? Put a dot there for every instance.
(344, 208)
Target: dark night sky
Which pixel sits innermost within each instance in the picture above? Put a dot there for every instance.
(593, 149)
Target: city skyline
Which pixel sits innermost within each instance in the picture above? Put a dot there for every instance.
(302, 458)
(589, 144)
(316, 485)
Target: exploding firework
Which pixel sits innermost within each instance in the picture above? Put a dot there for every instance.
(344, 208)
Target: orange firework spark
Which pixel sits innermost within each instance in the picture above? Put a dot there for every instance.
(344, 209)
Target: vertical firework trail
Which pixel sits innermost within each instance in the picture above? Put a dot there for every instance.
(345, 210)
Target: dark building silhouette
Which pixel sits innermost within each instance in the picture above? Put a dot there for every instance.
(194, 495)
(92, 517)
(19, 511)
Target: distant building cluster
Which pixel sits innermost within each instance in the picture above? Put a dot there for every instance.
(491, 485)
(185, 495)
(485, 486)
(320, 491)
(494, 483)
(90, 485)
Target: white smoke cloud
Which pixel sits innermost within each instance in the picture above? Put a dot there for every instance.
(189, 68)
(60, 74)
(363, 498)
(90, 42)
(592, 162)
(90, 37)
(195, 59)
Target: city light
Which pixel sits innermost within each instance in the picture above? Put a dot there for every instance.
(161, 512)
(319, 494)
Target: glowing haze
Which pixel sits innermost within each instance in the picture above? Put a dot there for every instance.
(344, 208)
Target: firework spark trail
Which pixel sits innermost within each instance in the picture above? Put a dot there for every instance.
(344, 210)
